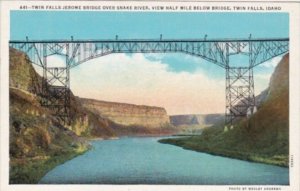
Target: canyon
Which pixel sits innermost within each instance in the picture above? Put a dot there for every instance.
(39, 140)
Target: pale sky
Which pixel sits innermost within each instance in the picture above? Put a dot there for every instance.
(180, 83)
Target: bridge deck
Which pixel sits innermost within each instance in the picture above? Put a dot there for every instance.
(149, 40)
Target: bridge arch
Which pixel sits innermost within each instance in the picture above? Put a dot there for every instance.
(239, 79)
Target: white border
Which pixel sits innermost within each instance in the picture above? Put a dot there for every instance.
(294, 14)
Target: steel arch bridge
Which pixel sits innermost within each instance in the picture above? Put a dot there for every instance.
(240, 97)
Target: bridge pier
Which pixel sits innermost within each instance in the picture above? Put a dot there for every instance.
(56, 88)
(240, 96)
(56, 92)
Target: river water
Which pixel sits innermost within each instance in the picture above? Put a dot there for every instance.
(145, 161)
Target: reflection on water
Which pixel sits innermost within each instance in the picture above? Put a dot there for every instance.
(145, 161)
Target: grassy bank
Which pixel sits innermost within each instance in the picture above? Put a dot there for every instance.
(31, 170)
(263, 137)
(202, 144)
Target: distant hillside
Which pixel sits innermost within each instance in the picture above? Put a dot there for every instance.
(262, 138)
(133, 119)
(203, 120)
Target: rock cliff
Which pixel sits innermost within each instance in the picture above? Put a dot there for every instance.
(129, 114)
(89, 118)
(24, 80)
(37, 140)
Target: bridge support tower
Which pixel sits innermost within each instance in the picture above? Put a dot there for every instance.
(56, 86)
(240, 97)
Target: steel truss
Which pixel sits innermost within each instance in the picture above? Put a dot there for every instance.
(240, 97)
(56, 92)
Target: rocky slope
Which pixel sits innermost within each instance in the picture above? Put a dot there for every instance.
(38, 141)
(24, 78)
(262, 138)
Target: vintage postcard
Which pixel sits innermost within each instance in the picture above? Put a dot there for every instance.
(131, 95)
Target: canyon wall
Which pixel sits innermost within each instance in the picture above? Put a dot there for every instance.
(128, 114)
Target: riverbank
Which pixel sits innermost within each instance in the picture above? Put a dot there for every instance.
(101, 139)
(120, 161)
(262, 137)
(31, 170)
(200, 144)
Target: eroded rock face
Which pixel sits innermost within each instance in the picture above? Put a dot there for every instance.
(280, 78)
(129, 114)
(279, 82)
(25, 84)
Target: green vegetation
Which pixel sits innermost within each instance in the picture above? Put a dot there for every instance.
(217, 142)
(31, 170)
(38, 142)
(262, 138)
(190, 129)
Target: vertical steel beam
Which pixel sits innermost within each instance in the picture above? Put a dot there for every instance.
(58, 92)
(228, 114)
(240, 95)
(56, 88)
(67, 88)
(44, 99)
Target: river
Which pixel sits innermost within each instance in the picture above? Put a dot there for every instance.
(135, 160)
